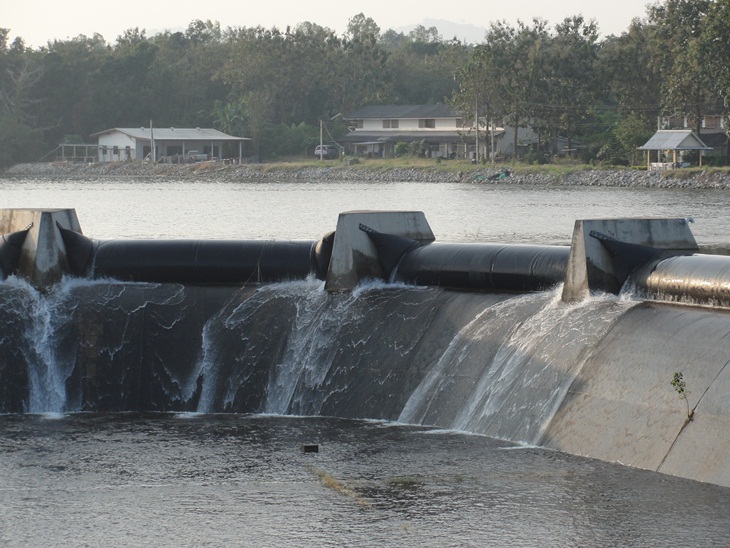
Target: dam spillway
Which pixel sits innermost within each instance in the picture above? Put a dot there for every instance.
(587, 376)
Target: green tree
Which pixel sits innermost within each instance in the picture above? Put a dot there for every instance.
(505, 73)
(70, 82)
(626, 134)
(185, 74)
(123, 96)
(716, 49)
(567, 98)
(20, 135)
(422, 66)
(630, 76)
(678, 29)
(363, 74)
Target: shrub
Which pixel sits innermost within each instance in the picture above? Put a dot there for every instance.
(402, 149)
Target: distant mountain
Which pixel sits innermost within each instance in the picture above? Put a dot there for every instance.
(465, 32)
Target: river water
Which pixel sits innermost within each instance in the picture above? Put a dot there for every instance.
(124, 208)
(213, 480)
(232, 480)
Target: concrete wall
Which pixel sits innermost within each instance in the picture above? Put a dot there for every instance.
(622, 408)
(121, 141)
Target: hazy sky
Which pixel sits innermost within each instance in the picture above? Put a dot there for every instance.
(38, 21)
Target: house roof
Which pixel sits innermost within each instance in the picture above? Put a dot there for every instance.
(715, 140)
(675, 139)
(438, 110)
(173, 134)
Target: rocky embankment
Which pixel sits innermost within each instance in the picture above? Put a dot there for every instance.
(278, 172)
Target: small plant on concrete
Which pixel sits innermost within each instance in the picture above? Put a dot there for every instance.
(681, 388)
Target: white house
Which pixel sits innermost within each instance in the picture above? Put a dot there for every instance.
(376, 129)
(171, 144)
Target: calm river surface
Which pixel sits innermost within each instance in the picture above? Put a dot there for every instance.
(234, 480)
(127, 208)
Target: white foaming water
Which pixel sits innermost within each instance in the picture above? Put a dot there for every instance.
(47, 318)
(47, 369)
(309, 297)
(516, 392)
(535, 366)
(459, 350)
(311, 347)
(305, 359)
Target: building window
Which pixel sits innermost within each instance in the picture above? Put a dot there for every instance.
(712, 122)
(429, 123)
(115, 150)
(356, 124)
(390, 124)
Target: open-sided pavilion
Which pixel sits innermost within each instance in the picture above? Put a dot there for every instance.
(672, 141)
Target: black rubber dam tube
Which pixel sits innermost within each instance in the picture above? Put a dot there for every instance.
(500, 267)
(204, 262)
(699, 279)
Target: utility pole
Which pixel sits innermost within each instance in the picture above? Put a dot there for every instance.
(152, 145)
(321, 144)
(476, 124)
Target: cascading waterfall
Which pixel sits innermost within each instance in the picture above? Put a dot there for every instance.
(534, 367)
(307, 357)
(513, 388)
(45, 318)
(230, 335)
(286, 348)
(334, 339)
(483, 348)
(78, 322)
(293, 348)
(431, 399)
(500, 364)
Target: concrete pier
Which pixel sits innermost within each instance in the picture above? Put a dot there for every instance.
(43, 259)
(354, 255)
(595, 266)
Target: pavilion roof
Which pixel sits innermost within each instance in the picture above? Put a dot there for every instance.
(675, 139)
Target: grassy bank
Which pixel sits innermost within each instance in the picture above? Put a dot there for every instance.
(466, 167)
(407, 169)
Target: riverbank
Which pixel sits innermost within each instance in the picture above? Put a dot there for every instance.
(377, 171)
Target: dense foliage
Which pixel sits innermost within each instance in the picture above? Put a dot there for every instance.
(276, 85)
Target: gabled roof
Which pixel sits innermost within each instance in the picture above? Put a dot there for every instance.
(173, 134)
(675, 139)
(438, 110)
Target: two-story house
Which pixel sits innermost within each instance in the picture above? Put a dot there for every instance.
(376, 129)
(442, 131)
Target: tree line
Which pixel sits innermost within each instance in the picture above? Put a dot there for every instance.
(276, 85)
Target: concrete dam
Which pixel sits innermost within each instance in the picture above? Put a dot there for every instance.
(572, 348)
